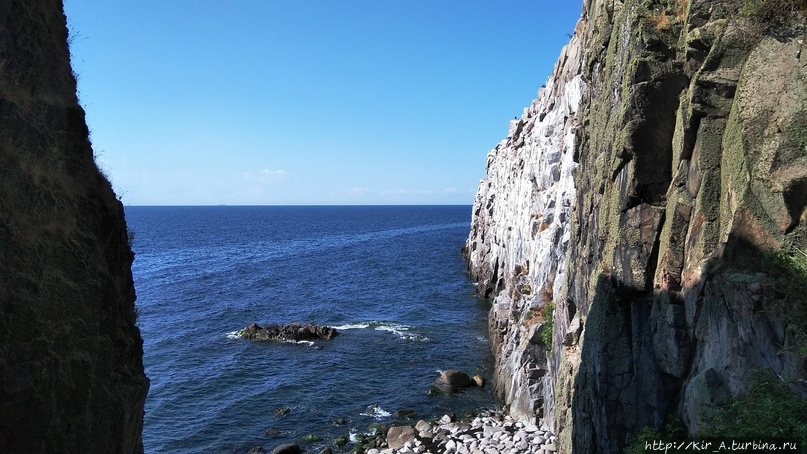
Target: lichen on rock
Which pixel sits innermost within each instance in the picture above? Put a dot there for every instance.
(686, 167)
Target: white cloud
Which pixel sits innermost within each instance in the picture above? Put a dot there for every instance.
(273, 173)
(266, 175)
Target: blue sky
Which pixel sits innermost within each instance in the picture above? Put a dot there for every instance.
(287, 102)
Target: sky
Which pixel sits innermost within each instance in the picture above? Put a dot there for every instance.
(302, 102)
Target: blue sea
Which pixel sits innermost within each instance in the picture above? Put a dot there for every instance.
(391, 279)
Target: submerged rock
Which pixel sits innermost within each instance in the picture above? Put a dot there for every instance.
(288, 332)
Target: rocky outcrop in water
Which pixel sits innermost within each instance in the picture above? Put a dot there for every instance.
(71, 370)
(627, 227)
(291, 332)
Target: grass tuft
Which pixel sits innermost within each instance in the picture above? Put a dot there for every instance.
(774, 12)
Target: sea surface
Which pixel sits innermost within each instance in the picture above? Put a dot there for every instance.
(391, 279)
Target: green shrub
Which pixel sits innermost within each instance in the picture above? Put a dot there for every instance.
(768, 409)
(673, 430)
(788, 266)
(546, 329)
(773, 11)
(791, 263)
(647, 435)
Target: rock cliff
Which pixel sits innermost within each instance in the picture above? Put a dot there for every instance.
(626, 226)
(71, 371)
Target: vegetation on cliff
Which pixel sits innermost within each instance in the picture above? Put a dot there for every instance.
(690, 170)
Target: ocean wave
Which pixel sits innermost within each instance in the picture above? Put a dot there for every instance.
(376, 412)
(349, 326)
(402, 331)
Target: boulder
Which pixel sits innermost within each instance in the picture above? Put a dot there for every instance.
(289, 448)
(398, 436)
(453, 380)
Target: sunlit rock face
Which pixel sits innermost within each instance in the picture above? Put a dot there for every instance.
(640, 194)
(71, 368)
(520, 233)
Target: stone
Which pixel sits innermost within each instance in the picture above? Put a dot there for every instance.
(478, 380)
(423, 425)
(453, 380)
(406, 413)
(289, 448)
(400, 436)
(538, 440)
(446, 419)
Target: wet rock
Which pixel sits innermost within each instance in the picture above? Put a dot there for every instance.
(289, 448)
(290, 332)
(453, 380)
(406, 413)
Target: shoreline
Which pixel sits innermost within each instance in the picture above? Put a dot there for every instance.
(490, 432)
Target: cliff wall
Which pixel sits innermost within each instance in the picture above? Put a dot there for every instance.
(625, 226)
(71, 371)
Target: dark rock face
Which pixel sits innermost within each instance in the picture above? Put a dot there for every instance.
(71, 371)
(690, 156)
(289, 332)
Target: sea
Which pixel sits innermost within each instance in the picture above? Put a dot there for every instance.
(390, 279)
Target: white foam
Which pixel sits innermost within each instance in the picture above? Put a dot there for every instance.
(233, 335)
(397, 329)
(401, 331)
(352, 326)
(392, 328)
(376, 413)
(415, 337)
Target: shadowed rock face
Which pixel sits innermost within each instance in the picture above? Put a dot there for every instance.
(688, 159)
(71, 371)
